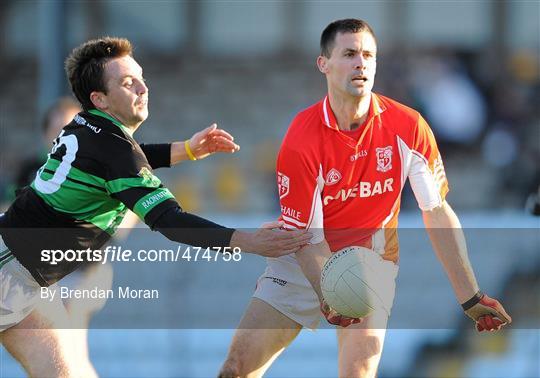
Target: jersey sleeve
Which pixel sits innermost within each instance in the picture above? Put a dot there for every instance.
(131, 181)
(426, 174)
(300, 190)
(158, 155)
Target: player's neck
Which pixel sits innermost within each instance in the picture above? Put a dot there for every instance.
(129, 128)
(351, 112)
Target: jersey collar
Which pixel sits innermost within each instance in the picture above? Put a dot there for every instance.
(99, 113)
(330, 121)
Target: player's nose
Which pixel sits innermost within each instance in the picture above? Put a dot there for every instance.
(359, 63)
(141, 87)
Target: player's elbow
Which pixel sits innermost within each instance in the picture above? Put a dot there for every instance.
(441, 216)
(229, 370)
(436, 208)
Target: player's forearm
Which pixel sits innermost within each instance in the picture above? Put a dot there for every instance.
(312, 258)
(186, 228)
(157, 154)
(448, 241)
(178, 153)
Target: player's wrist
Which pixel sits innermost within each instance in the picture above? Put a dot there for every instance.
(178, 152)
(189, 151)
(240, 239)
(473, 301)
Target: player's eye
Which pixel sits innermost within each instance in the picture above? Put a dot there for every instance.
(128, 83)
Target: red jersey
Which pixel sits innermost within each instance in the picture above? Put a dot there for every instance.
(349, 184)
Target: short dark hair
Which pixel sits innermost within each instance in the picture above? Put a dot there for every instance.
(349, 25)
(63, 104)
(85, 66)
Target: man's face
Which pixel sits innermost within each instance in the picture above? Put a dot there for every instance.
(350, 70)
(127, 94)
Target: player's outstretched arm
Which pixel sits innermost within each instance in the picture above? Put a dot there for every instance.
(450, 247)
(202, 144)
(186, 228)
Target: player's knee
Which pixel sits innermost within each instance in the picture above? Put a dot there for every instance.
(372, 347)
(364, 360)
(367, 348)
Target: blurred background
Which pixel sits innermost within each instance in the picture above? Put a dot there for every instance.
(472, 68)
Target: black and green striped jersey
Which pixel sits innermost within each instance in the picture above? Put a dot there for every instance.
(95, 171)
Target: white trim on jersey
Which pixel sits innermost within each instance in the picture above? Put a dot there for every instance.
(325, 112)
(389, 217)
(423, 182)
(315, 221)
(290, 227)
(316, 218)
(405, 159)
(293, 221)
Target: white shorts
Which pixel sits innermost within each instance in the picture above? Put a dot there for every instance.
(284, 287)
(19, 291)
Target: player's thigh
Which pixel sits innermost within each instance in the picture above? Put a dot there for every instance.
(360, 346)
(94, 275)
(262, 335)
(42, 347)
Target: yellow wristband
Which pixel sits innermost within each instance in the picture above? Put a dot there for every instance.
(188, 151)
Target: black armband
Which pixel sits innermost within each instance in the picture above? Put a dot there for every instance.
(158, 155)
(186, 228)
(473, 301)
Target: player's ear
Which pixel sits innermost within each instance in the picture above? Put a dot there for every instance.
(322, 64)
(99, 100)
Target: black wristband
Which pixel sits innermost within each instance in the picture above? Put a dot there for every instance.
(471, 302)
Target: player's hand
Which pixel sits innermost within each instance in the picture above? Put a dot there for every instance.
(488, 313)
(270, 240)
(212, 140)
(333, 317)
